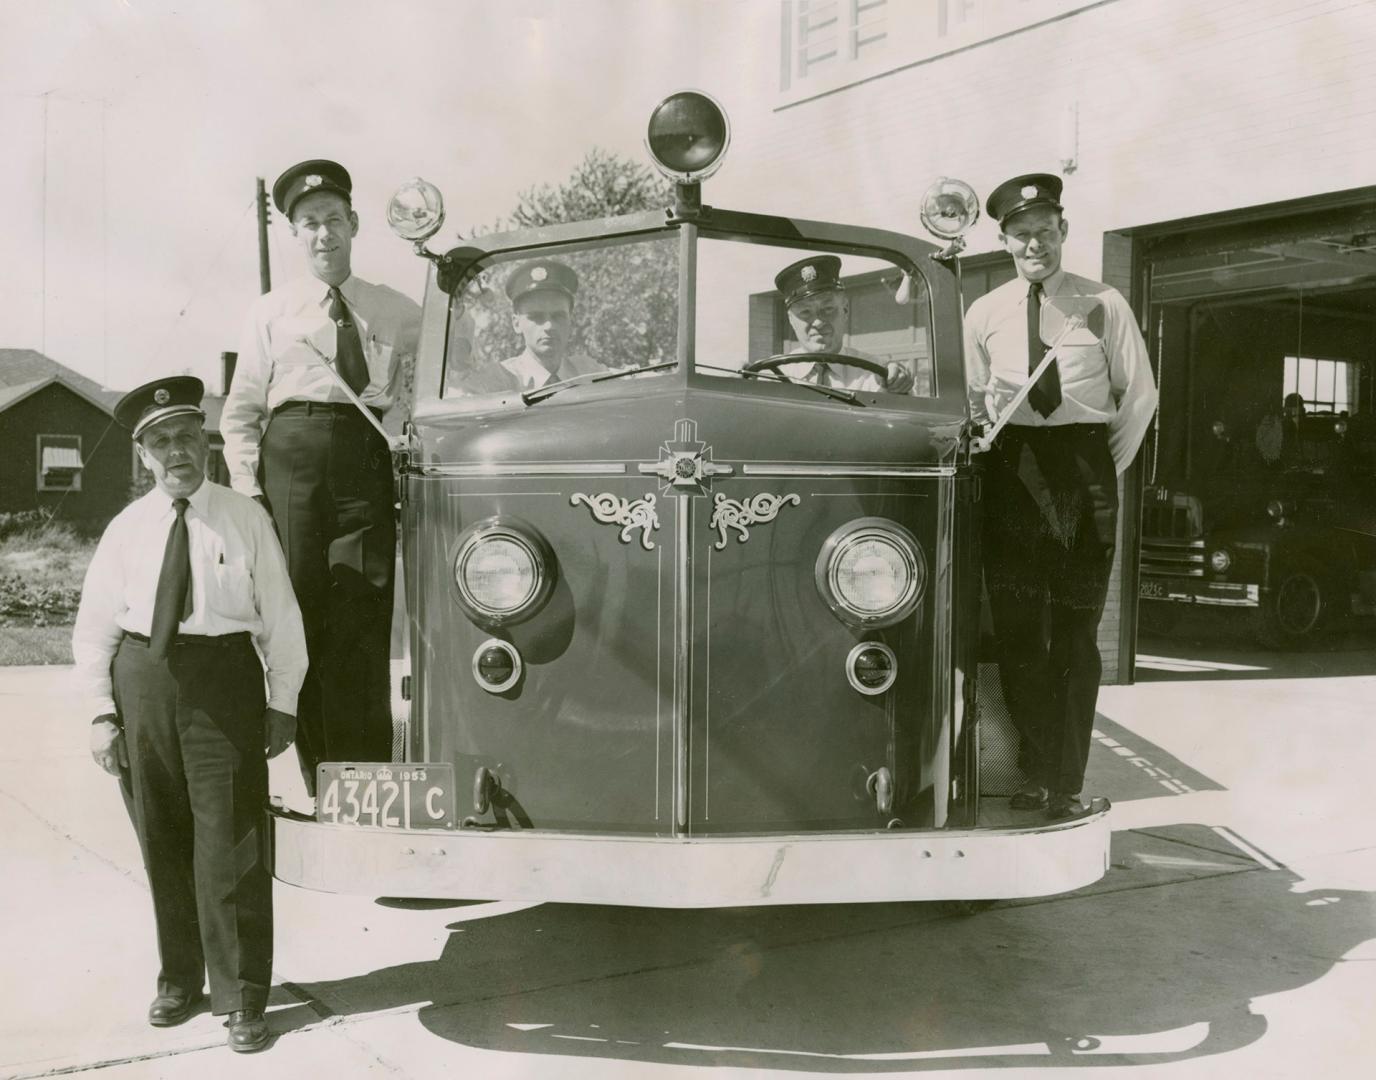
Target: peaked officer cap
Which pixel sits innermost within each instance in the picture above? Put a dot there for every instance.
(542, 275)
(318, 174)
(159, 400)
(816, 273)
(1022, 193)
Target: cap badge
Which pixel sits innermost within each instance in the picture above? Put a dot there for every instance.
(809, 273)
(1029, 191)
(539, 274)
(161, 396)
(313, 180)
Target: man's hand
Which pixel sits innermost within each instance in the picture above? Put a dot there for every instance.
(899, 379)
(280, 730)
(107, 744)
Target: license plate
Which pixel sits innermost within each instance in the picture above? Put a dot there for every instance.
(1151, 588)
(410, 796)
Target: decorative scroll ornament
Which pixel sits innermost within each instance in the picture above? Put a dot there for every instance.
(756, 510)
(685, 462)
(613, 510)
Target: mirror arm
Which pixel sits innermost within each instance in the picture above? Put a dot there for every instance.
(950, 252)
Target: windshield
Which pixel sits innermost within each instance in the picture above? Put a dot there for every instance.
(524, 328)
(853, 322)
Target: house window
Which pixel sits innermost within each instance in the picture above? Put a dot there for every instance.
(59, 463)
(821, 35)
(1325, 386)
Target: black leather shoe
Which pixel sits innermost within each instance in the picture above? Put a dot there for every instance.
(248, 1031)
(168, 1010)
(1062, 806)
(1029, 797)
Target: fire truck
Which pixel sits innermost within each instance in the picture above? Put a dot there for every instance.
(690, 627)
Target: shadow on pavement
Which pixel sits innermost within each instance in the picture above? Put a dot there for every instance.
(1207, 645)
(1150, 976)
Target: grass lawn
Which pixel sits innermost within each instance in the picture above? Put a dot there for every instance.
(35, 645)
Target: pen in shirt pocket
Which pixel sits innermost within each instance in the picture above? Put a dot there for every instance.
(222, 558)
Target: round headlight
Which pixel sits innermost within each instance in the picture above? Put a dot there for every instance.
(688, 135)
(950, 208)
(1275, 509)
(871, 572)
(1220, 560)
(416, 210)
(502, 573)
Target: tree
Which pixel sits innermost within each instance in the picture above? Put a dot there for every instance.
(627, 308)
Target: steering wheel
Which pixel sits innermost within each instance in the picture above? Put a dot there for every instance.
(773, 363)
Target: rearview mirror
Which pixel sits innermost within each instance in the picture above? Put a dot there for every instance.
(1072, 320)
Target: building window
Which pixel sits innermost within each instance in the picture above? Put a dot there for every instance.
(59, 463)
(1325, 386)
(822, 35)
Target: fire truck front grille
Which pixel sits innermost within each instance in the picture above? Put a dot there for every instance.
(1173, 558)
(1171, 516)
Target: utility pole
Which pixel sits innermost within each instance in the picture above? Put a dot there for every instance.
(264, 270)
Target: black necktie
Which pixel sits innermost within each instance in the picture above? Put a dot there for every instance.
(348, 350)
(1046, 394)
(172, 601)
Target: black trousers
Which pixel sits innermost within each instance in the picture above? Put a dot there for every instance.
(196, 789)
(327, 475)
(1050, 524)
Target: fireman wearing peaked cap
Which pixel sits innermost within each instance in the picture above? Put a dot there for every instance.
(295, 440)
(542, 294)
(187, 588)
(1051, 484)
(819, 313)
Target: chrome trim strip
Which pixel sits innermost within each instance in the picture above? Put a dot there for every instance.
(940, 589)
(701, 872)
(523, 469)
(899, 472)
(683, 635)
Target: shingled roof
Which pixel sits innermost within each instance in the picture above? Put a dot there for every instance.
(23, 371)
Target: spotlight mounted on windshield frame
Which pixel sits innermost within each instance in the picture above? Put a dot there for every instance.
(949, 210)
(687, 138)
(415, 212)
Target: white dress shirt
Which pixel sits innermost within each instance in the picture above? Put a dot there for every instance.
(287, 336)
(843, 376)
(1106, 383)
(239, 583)
(527, 370)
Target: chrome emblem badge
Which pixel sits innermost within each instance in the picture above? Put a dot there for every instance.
(611, 509)
(685, 461)
(161, 396)
(739, 515)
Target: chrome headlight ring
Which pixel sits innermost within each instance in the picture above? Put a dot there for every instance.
(871, 572)
(503, 572)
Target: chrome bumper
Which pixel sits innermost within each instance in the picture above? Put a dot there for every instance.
(1189, 591)
(833, 868)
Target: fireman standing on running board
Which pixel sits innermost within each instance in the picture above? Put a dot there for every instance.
(1051, 486)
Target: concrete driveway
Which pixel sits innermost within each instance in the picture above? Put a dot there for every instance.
(1232, 936)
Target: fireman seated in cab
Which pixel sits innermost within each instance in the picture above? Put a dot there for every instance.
(542, 295)
(819, 312)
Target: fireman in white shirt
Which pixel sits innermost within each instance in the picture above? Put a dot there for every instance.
(1051, 486)
(294, 440)
(165, 643)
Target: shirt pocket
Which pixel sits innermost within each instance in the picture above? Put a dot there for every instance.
(297, 342)
(229, 591)
(379, 353)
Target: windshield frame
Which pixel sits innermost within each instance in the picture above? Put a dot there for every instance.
(451, 272)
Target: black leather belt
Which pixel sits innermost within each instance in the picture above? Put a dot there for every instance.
(218, 641)
(322, 408)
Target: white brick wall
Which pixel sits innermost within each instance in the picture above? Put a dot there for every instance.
(1184, 107)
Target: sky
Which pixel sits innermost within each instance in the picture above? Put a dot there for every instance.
(136, 130)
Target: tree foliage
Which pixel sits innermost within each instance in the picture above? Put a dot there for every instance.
(627, 308)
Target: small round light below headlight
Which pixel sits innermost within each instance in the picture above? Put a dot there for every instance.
(496, 665)
(1220, 560)
(871, 667)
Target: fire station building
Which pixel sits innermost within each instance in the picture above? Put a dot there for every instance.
(1217, 158)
